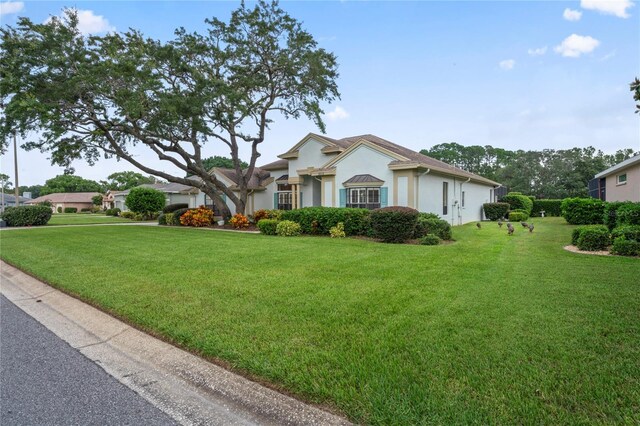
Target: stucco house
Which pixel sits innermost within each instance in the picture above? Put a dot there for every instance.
(174, 193)
(63, 200)
(618, 183)
(363, 171)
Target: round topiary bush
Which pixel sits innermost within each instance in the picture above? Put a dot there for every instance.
(267, 226)
(288, 228)
(145, 200)
(495, 211)
(27, 215)
(583, 211)
(518, 201)
(629, 232)
(518, 216)
(430, 240)
(394, 224)
(623, 247)
(594, 238)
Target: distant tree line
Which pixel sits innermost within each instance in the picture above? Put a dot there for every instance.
(548, 173)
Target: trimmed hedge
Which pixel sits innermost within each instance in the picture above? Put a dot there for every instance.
(518, 215)
(518, 201)
(71, 210)
(430, 240)
(628, 214)
(438, 227)
(495, 211)
(267, 226)
(623, 247)
(288, 228)
(629, 232)
(550, 208)
(27, 215)
(394, 224)
(170, 208)
(591, 238)
(610, 217)
(319, 220)
(583, 211)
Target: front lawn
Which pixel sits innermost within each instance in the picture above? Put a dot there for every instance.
(489, 330)
(83, 219)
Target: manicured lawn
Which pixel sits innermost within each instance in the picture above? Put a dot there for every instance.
(488, 330)
(83, 219)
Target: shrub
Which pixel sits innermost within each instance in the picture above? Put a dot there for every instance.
(70, 210)
(423, 215)
(575, 234)
(258, 215)
(168, 219)
(518, 215)
(145, 200)
(199, 217)
(610, 217)
(288, 228)
(550, 208)
(27, 215)
(170, 208)
(593, 238)
(274, 214)
(59, 209)
(162, 219)
(267, 226)
(86, 210)
(176, 217)
(239, 221)
(128, 215)
(337, 231)
(629, 232)
(112, 212)
(437, 227)
(583, 211)
(46, 203)
(628, 214)
(430, 240)
(495, 211)
(623, 247)
(518, 201)
(394, 224)
(319, 220)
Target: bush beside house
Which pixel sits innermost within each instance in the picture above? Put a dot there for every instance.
(495, 211)
(583, 211)
(145, 201)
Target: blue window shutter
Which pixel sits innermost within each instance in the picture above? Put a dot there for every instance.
(384, 194)
(275, 200)
(343, 198)
(301, 203)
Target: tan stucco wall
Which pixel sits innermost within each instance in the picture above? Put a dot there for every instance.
(629, 191)
(78, 206)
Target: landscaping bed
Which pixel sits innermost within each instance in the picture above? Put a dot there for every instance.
(490, 330)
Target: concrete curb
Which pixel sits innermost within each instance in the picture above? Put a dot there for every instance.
(189, 389)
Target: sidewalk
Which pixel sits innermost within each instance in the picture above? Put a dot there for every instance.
(187, 388)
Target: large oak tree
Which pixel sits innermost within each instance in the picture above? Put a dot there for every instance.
(102, 95)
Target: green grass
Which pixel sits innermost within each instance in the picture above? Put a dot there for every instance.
(83, 219)
(489, 330)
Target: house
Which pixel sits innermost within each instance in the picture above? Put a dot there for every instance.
(108, 199)
(62, 200)
(366, 172)
(618, 183)
(174, 193)
(9, 200)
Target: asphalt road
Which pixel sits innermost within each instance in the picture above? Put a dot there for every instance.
(43, 380)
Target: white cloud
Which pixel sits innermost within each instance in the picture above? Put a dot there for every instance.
(88, 23)
(9, 7)
(537, 51)
(609, 7)
(572, 15)
(575, 45)
(338, 113)
(507, 64)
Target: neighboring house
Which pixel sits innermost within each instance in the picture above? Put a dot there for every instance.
(108, 199)
(618, 183)
(174, 193)
(63, 200)
(367, 172)
(9, 200)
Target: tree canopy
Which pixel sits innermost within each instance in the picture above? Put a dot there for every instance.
(635, 88)
(546, 174)
(120, 181)
(102, 95)
(69, 183)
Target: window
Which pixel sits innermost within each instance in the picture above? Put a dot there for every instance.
(462, 199)
(285, 197)
(445, 198)
(622, 179)
(363, 198)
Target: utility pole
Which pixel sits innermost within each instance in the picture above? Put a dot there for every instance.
(15, 162)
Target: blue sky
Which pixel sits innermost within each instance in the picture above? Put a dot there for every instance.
(516, 75)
